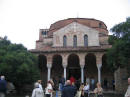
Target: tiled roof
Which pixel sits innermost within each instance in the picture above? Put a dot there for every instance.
(93, 23)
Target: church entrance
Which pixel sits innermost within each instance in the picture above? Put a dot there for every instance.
(73, 68)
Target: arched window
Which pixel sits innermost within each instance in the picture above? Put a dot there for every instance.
(75, 41)
(64, 41)
(85, 40)
(100, 25)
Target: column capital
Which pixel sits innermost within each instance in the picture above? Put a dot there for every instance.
(99, 66)
(64, 65)
(49, 65)
(82, 66)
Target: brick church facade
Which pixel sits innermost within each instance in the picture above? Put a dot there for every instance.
(74, 47)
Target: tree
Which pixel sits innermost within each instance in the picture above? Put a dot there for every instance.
(17, 64)
(119, 54)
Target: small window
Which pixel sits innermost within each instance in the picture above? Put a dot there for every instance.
(85, 40)
(75, 41)
(44, 32)
(64, 41)
(100, 25)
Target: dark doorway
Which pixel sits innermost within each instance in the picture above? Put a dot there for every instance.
(90, 68)
(57, 68)
(42, 63)
(73, 68)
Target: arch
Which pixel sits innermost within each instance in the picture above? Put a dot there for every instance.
(57, 68)
(42, 63)
(75, 41)
(90, 68)
(109, 76)
(100, 25)
(64, 41)
(73, 67)
(85, 40)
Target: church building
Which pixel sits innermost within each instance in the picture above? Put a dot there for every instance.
(74, 47)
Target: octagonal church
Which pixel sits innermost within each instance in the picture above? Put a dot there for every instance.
(73, 47)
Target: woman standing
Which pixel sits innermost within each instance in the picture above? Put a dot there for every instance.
(86, 90)
(81, 92)
(98, 91)
(49, 89)
(37, 92)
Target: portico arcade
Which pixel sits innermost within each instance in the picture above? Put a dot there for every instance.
(80, 65)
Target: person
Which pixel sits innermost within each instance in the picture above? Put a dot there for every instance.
(86, 90)
(81, 92)
(68, 90)
(127, 94)
(37, 92)
(92, 83)
(113, 85)
(40, 84)
(72, 80)
(48, 89)
(88, 80)
(98, 91)
(10, 87)
(56, 85)
(3, 86)
(105, 83)
(61, 83)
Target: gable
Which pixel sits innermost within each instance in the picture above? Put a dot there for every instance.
(75, 29)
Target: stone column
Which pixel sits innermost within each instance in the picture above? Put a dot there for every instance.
(82, 73)
(99, 72)
(49, 71)
(65, 71)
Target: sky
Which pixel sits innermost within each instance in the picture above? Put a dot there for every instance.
(20, 20)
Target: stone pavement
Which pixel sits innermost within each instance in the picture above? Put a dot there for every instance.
(106, 94)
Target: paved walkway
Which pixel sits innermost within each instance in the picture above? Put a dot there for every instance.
(108, 93)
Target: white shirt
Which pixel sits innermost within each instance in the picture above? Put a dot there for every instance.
(86, 87)
(127, 94)
(40, 86)
(37, 92)
(49, 87)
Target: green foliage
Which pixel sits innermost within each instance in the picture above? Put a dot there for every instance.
(119, 54)
(17, 64)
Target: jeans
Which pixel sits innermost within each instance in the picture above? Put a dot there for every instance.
(56, 93)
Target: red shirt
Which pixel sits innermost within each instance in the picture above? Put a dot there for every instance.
(72, 79)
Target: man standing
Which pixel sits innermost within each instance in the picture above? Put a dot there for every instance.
(127, 94)
(68, 90)
(3, 86)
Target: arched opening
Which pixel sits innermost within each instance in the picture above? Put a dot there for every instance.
(85, 40)
(90, 69)
(73, 68)
(57, 68)
(64, 41)
(75, 41)
(42, 63)
(107, 75)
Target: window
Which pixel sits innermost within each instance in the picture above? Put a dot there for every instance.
(100, 25)
(64, 41)
(85, 40)
(75, 41)
(44, 32)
